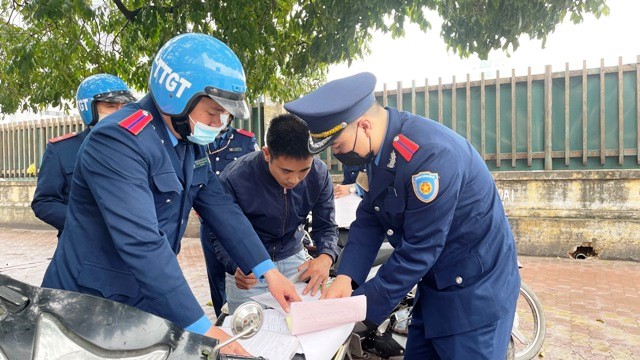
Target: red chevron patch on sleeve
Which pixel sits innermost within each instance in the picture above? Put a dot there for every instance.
(245, 133)
(136, 121)
(405, 147)
(63, 137)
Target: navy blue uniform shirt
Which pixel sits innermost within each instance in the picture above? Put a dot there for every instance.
(433, 197)
(128, 210)
(54, 179)
(232, 144)
(278, 216)
(350, 173)
(228, 147)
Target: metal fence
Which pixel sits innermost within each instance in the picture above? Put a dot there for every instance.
(572, 119)
(565, 120)
(22, 144)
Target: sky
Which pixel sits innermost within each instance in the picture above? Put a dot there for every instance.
(421, 55)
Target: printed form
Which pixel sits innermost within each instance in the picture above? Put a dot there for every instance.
(320, 326)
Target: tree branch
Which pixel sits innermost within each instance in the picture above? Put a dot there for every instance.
(128, 14)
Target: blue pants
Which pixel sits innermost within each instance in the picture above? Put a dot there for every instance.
(489, 342)
(288, 267)
(215, 271)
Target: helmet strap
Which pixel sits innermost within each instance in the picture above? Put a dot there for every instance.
(94, 113)
(181, 126)
(181, 123)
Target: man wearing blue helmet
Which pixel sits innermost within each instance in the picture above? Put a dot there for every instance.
(139, 174)
(97, 96)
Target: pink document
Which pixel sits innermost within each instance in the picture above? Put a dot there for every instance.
(310, 316)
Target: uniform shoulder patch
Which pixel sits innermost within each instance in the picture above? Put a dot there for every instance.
(136, 121)
(245, 133)
(405, 147)
(63, 137)
(426, 185)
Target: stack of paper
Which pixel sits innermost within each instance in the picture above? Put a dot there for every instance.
(311, 316)
(273, 341)
(320, 326)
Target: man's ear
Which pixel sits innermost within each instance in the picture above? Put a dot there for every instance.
(266, 154)
(365, 124)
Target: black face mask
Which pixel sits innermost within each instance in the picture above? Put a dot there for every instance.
(352, 158)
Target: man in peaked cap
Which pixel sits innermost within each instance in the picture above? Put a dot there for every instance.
(430, 193)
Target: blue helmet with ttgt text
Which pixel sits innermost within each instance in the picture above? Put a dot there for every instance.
(193, 65)
(100, 87)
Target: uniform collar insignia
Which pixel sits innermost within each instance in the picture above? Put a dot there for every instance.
(392, 160)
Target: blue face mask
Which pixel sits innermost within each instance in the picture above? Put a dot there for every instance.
(204, 134)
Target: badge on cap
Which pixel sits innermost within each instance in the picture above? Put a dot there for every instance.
(425, 186)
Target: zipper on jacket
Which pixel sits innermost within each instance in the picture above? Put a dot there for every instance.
(284, 222)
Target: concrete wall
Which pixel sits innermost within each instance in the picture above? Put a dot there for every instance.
(552, 213)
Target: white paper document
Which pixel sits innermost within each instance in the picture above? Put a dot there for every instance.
(273, 341)
(323, 344)
(322, 326)
(267, 299)
(310, 316)
(346, 207)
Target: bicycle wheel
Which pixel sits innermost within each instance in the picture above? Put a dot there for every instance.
(529, 325)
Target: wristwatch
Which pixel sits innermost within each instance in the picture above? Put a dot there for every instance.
(352, 188)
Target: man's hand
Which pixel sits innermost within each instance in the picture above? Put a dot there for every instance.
(317, 271)
(244, 282)
(234, 348)
(340, 190)
(281, 289)
(339, 288)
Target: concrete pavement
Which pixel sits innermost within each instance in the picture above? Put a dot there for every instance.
(592, 306)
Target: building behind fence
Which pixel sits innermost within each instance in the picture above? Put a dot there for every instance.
(581, 119)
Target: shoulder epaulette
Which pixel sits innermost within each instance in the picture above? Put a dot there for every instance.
(245, 133)
(136, 121)
(63, 137)
(405, 147)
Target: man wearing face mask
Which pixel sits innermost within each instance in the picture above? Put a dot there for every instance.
(97, 96)
(229, 145)
(430, 193)
(138, 175)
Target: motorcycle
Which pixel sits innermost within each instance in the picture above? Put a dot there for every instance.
(39, 323)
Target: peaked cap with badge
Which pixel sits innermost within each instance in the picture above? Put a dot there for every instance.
(330, 108)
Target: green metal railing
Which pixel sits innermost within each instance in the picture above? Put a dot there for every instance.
(568, 120)
(563, 120)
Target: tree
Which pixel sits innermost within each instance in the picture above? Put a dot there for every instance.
(49, 46)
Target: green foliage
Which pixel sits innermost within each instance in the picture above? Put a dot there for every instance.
(286, 46)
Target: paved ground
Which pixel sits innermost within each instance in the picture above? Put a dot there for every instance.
(592, 306)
